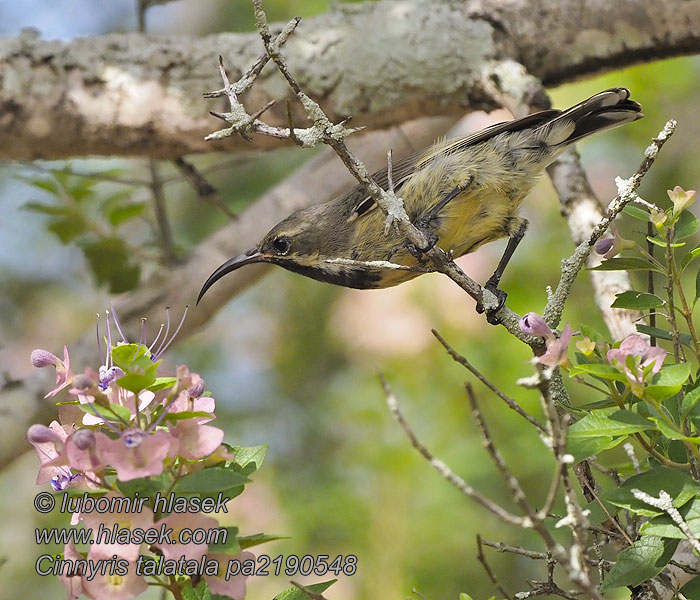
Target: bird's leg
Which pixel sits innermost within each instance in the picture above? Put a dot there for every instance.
(425, 220)
(516, 229)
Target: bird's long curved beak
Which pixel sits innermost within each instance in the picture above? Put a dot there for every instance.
(245, 258)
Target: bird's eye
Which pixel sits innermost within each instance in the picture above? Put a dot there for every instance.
(281, 245)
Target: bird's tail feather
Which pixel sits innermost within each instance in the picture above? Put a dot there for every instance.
(610, 108)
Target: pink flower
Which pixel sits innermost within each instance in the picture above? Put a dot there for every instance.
(115, 586)
(83, 449)
(194, 440)
(233, 586)
(633, 357)
(136, 453)
(179, 521)
(533, 324)
(70, 579)
(557, 354)
(114, 395)
(191, 398)
(123, 520)
(49, 445)
(44, 358)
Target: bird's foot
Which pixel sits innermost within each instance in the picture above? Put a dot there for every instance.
(492, 311)
(419, 253)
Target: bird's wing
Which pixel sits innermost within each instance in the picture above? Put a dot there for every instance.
(402, 170)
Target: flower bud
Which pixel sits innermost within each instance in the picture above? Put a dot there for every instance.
(82, 382)
(44, 358)
(83, 439)
(658, 218)
(610, 247)
(196, 390)
(533, 324)
(681, 199)
(40, 434)
(603, 246)
(586, 346)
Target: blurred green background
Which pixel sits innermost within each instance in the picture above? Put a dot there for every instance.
(293, 362)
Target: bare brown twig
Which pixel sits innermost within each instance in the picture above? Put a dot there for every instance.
(510, 402)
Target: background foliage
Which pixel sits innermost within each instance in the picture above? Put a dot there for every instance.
(292, 362)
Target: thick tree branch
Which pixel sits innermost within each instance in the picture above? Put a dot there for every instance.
(129, 94)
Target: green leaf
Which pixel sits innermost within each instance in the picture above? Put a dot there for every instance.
(125, 354)
(590, 333)
(46, 209)
(625, 264)
(582, 448)
(664, 526)
(678, 484)
(125, 212)
(186, 414)
(672, 433)
(146, 487)
(667, 382)
(663, 243)
(68, 228)
(214, 479)
(113, 413)
(162, 383)
(691, 590)
(636, 213)
(229, 546)
(200, 592)
(662, 334)
(697, 286)
(135, 382)
(597, 370)
(247, 456)
(110, 261)
(294, 593)
(609, 422)
(690, 399)
(686, 225)
(637, 301)
(692, 255)
(643, 560)
(248, 541)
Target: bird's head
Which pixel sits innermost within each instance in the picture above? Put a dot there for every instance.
(299, 243)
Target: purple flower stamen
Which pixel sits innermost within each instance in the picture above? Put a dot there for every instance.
(99, 346)
(116, 322)
(162, 325)
(109, 342)
(167, 330)
(170, 341)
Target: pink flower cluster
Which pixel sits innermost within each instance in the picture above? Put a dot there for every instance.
(122, 423)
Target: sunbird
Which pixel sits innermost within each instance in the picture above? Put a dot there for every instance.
(462, 192)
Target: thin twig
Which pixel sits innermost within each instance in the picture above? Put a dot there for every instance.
(512, 404)
(162, 222)
(442, 468)
(204, 189)
(484, 563)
